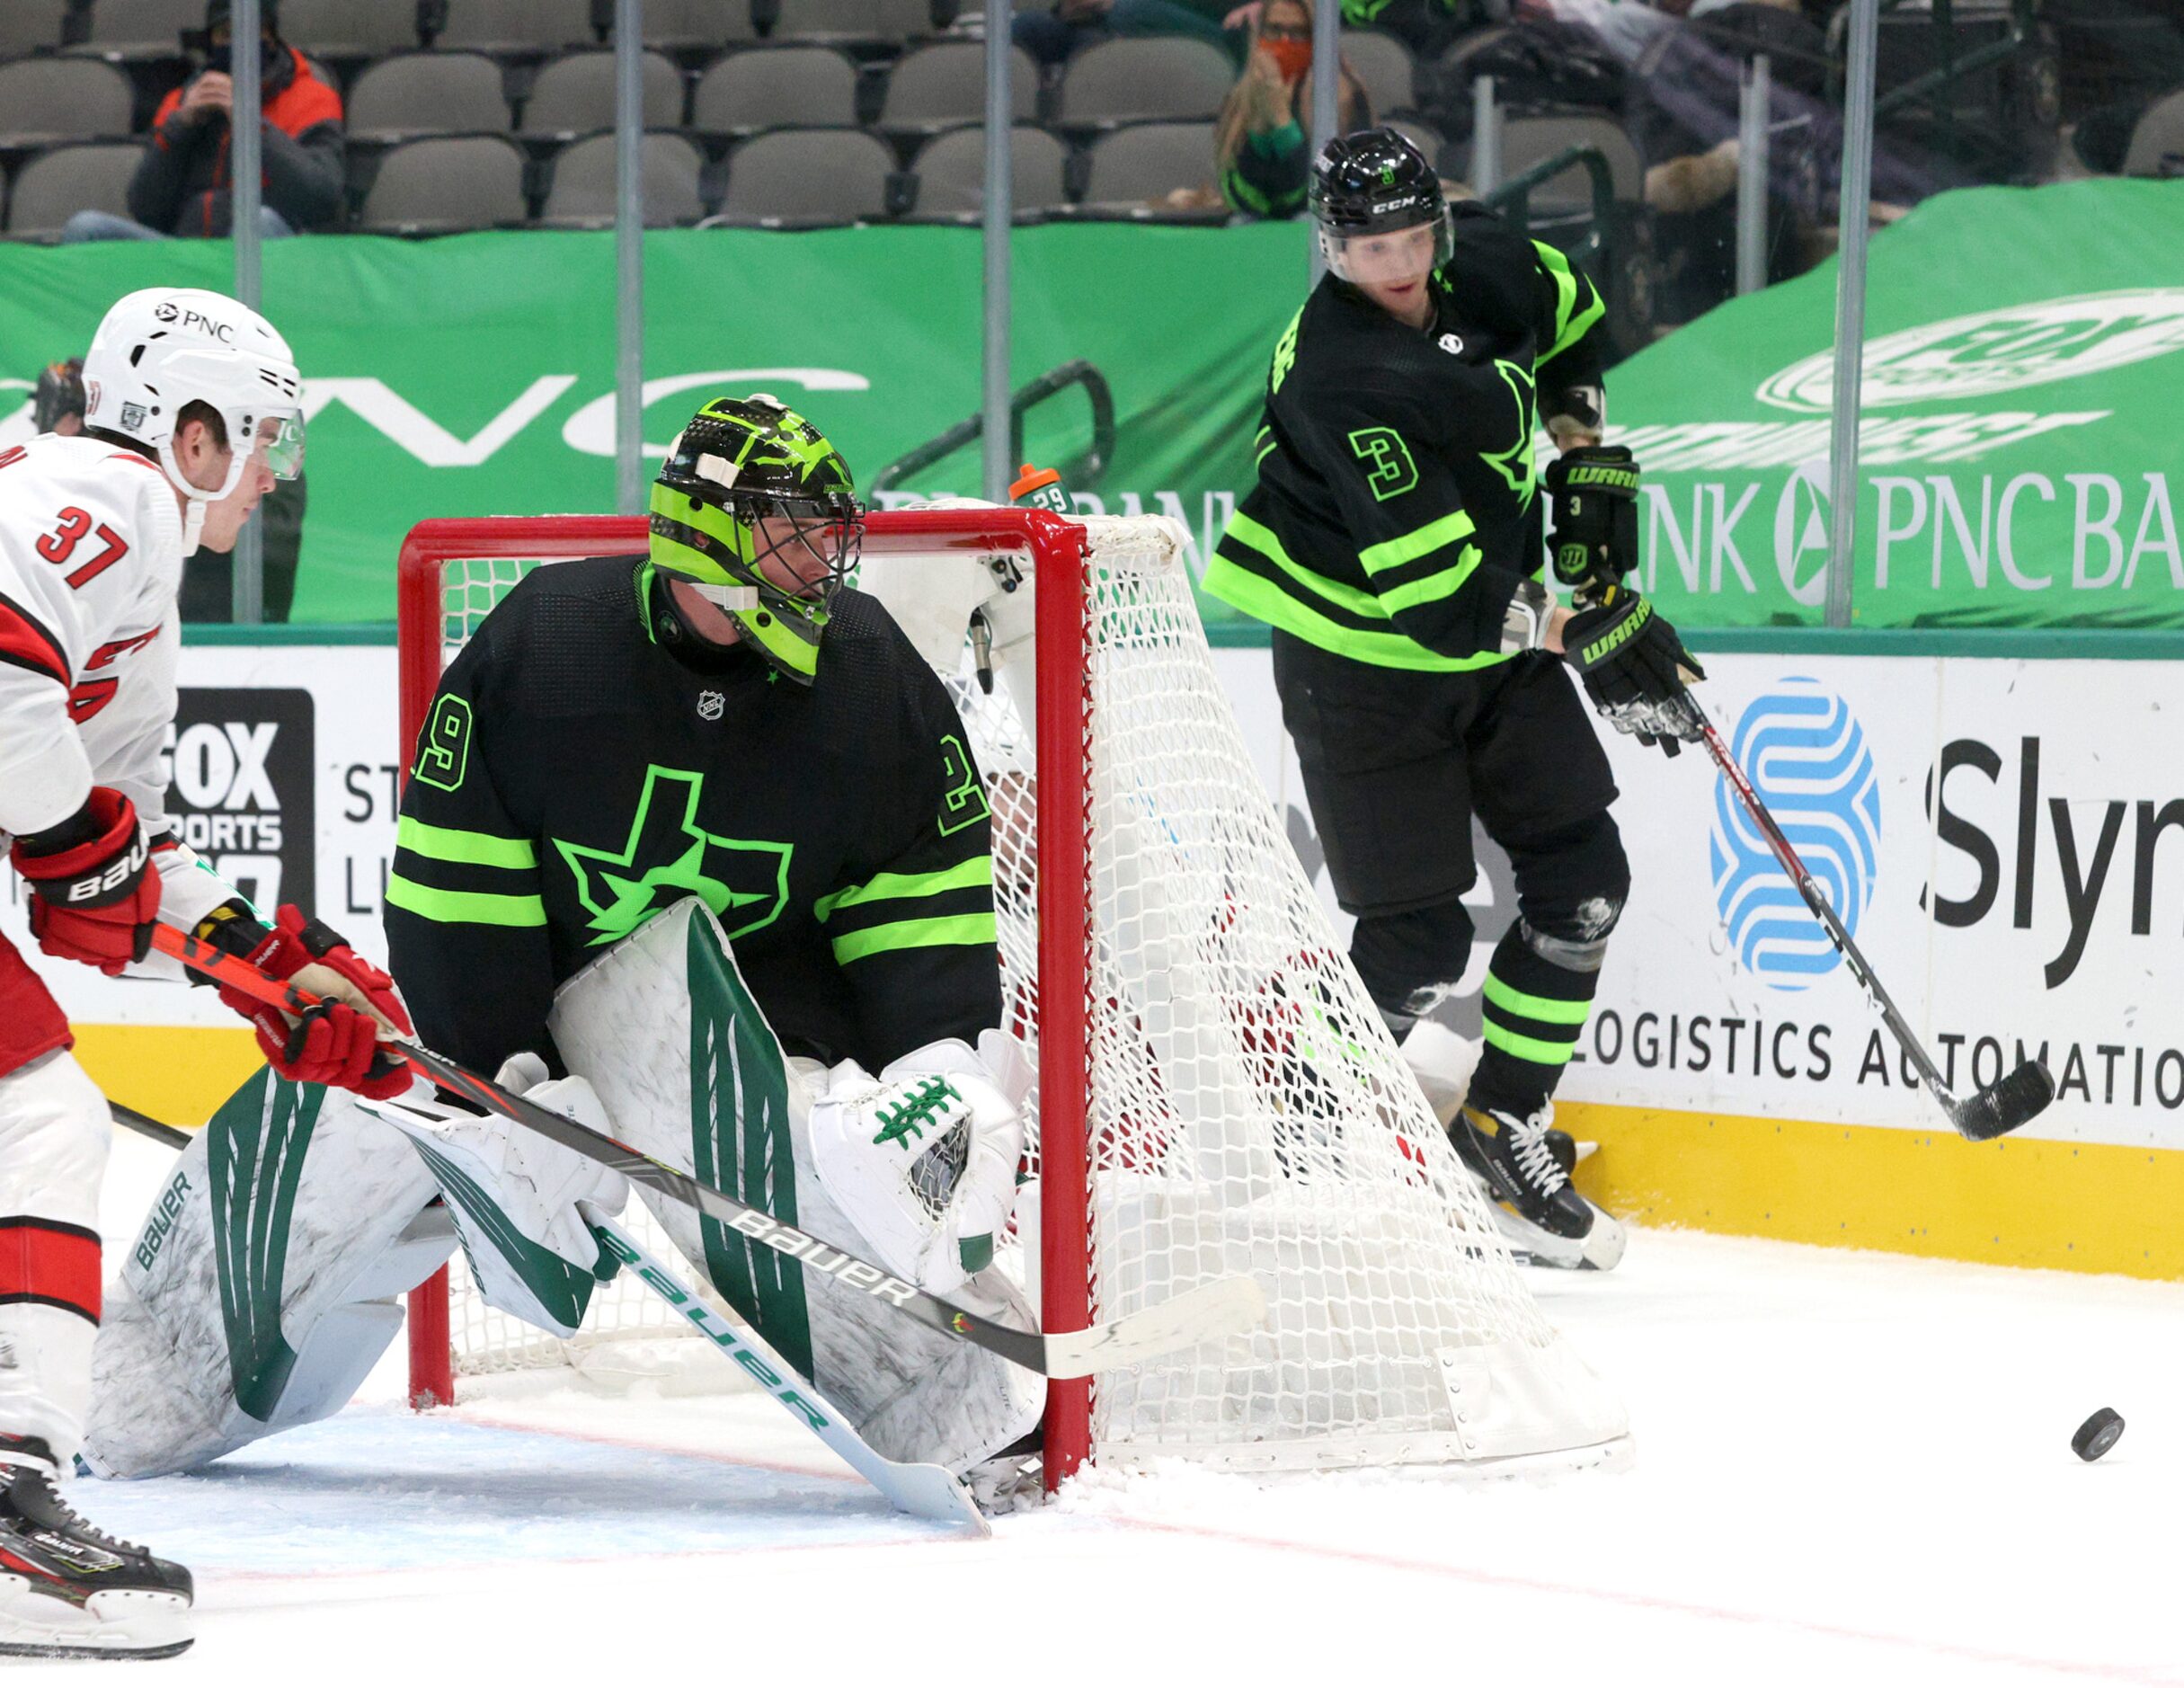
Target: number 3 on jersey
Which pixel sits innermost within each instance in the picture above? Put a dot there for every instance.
(74, 526)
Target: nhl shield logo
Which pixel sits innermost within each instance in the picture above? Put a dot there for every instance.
(709, 705)
(1452, 344)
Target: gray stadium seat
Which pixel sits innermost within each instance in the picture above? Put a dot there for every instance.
(1530, 140)
(29, 24)
(771, 86)
(141, 29)
(854, 20)
(428, 93)
(583, 191)
(1136, 164)
(1425, 137)
(445, 184)
(1142, 78)
(952, 171)
(943, 85)
(575, 95)
(44, 101)
(349, 29)
(55, 186)
(1384, 65)
(516, 26)
(2157, 140)
(683, 26)
(819, 175)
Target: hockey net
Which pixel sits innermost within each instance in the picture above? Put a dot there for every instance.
(1215, 1093)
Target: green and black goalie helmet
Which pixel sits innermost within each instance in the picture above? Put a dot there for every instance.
(741, 462)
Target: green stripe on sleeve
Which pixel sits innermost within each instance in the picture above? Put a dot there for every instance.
(1242, 589)
(1554, 1010)
(1419, 542)
(463, 908)
(1569, 328)
(452, 844)
(936, 933)
(1435, 587)
(978, 870)
(1258, 536)
(1528, 1048)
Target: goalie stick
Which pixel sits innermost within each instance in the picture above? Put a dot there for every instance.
(2002, 1107)
(930, 1492)
(1226, 1307)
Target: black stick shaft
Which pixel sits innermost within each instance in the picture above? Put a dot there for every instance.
(145, 1125)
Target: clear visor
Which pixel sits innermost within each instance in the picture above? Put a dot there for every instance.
(280, 441)
(1391, 256)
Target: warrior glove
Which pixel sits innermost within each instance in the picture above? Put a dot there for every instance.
(1634, 669)
(1594, 491)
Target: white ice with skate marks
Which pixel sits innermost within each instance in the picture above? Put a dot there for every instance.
(1851, 1469)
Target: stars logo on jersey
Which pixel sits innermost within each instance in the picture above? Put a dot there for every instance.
(668, 857)
(709, 705)
(1514, 463)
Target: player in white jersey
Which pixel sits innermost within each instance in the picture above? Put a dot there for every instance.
(194, 408)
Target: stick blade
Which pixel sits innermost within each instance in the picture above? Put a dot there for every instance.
(1224, 1308)
(2009, 1102)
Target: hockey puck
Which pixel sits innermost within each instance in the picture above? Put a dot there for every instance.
(2098, 1433)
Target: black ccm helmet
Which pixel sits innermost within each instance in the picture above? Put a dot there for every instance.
(1371, 183)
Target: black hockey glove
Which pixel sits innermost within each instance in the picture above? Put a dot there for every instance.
(1593, 490)
(1635, 667)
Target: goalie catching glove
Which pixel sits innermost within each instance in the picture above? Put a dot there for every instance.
(1634, 669)
(336, 1041)
(923, 1159)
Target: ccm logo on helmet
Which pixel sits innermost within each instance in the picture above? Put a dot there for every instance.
(169, 312)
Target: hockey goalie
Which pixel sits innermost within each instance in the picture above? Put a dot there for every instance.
(693, 850)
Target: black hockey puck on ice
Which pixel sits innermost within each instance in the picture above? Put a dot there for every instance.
(2098, 1433)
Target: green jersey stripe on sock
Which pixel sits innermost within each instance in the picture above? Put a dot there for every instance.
(1528, 1048)
(1554, 1010)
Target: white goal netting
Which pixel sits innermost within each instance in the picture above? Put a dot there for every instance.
(1246, 1109)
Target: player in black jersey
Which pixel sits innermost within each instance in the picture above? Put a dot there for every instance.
(1395, 542)
(723, 719)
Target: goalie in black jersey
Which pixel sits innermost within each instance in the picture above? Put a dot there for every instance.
(1395, 543)
(698, 833)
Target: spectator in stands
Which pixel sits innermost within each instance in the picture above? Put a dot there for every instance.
(58, 405)
(1051, 36)
(184, 186)
(1262, 149)
(1429, 28)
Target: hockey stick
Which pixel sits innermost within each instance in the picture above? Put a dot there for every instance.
(1224, 1308)
(923, 1491)
(2002, 1107)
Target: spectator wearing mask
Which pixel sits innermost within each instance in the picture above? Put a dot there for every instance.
(1261, 145)
(184, 187)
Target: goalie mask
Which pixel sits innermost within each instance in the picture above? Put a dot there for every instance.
(1378, 209)
(757, 509)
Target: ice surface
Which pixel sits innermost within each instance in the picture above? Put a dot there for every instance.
(1852, 1469)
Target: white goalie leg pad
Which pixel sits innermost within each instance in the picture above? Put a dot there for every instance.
(265, 1284)
(514, 1193)
(923, 1159)
(54, 1134)
(668, 1033)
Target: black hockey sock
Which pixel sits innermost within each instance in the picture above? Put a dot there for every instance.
(1532, 1012)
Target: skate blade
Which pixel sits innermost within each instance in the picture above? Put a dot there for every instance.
(1601, 1249)
(118, 1623)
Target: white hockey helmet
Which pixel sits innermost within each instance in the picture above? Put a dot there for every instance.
(163, 348)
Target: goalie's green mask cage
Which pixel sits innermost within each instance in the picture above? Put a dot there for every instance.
(744, 462)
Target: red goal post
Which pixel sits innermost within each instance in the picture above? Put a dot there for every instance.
(1056, 550)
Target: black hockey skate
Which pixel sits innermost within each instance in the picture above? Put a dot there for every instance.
(1521, 1169)
(70, 1591)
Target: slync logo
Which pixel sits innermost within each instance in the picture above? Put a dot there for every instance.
(1807, 757)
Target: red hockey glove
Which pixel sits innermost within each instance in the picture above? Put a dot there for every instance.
(91, 897)
(335, 1043)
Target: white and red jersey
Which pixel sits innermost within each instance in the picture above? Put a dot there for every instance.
(91, 562)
